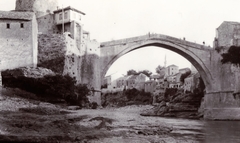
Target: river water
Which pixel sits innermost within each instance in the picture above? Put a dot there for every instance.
(183, 130)
(205, 131)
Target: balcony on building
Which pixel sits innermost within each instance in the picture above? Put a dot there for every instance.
(67, 15)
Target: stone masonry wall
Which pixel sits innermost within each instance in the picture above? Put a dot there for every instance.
(90, 67)
(225, 34)
(60, 54)
(46, 25)
(228, 34)
(18, 44)
(73, 59)
(0, 80)
(51, 52)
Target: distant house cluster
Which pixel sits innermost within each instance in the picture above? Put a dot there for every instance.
(126, 82)
(157, 83)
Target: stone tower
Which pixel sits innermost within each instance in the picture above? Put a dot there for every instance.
(40, 7)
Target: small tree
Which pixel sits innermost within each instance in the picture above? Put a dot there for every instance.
(131, 72)
(146, 72)
(183, 76)
(160, 70)
(232, 56)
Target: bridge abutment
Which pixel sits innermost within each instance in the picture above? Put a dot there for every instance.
(222, 105)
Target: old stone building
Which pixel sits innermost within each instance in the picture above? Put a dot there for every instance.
(122, 82)
(150, 86)
(174, 80)
(172, 69)
(18, 38)
(66, 48)
(191, 82)
(227, 34)
(107, 81)
(37, 32)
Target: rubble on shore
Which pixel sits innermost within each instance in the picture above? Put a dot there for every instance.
(29, 120)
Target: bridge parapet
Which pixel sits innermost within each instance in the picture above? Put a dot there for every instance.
(153, 37)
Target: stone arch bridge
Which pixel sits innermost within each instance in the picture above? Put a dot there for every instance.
(219, 79)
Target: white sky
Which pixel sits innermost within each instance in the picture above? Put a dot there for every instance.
(106, 20)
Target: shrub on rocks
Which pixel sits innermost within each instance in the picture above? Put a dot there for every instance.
(48, 86)
(126, 97)
(134, 95)
(94, 105)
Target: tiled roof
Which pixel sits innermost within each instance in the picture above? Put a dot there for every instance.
(16, 15)
(150, 81)
(231, 22)
(172, 66)
(121, 78)
(68, 8)
(170, 76)
(172, 82)
(155, 76)
(132, 77)
(85, 32)
(184, 69)
(176, 74)
(191, 75)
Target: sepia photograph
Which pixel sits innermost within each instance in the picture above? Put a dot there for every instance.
(119, 71)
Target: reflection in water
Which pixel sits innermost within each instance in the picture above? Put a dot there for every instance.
(205, 131)
(222, 131)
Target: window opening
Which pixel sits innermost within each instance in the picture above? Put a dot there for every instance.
(65, 15)
(22, 25)
(74, 15)
(8, 26)
(60, 16)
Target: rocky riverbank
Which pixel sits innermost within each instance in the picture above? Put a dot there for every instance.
(174, 103)
(28, 120)
(180, 105)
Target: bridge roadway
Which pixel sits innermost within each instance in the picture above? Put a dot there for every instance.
(154, 37)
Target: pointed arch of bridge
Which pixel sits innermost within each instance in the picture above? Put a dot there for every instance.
(181, 50)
